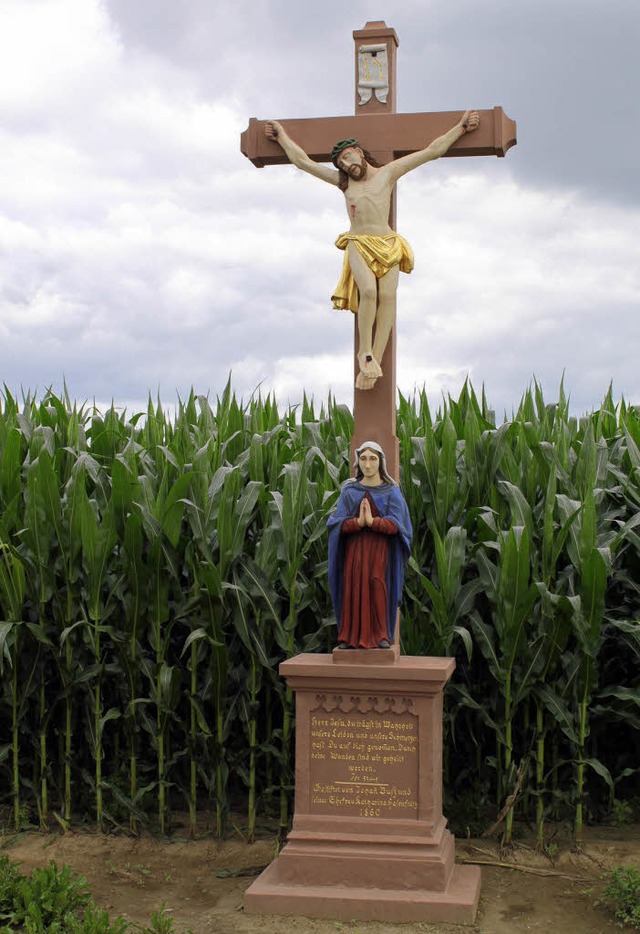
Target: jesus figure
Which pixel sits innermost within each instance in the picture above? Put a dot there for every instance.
(374, 253)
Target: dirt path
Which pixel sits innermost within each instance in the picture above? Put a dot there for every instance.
(203, 883)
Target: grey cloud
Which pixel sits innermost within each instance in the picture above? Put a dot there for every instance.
(167, 258)
(566, 71)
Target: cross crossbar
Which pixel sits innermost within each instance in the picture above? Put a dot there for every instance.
(386, 135)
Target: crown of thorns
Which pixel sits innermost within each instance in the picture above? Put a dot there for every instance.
(342, 145)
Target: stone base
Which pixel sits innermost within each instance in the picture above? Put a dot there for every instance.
(366, 656)
(457, 904)
(369, 840)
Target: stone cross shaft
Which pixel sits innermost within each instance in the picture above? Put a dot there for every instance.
(387, 135)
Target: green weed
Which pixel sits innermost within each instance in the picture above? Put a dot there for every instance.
(624, 891)
(56, 901)
(621, 813)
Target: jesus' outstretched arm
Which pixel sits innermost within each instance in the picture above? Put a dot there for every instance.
(469, 122)
(297, 155)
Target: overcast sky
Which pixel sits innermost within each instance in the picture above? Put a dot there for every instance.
(140, 251)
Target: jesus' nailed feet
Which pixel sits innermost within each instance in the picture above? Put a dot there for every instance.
(370, 371)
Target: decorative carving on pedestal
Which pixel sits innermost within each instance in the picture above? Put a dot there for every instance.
(373, 703)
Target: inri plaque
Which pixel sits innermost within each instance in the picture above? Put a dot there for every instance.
(373, 72)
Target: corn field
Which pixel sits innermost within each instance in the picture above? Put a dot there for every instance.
(154, 571)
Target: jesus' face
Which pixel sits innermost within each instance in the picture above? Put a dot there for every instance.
(369, 463)
(353, 162)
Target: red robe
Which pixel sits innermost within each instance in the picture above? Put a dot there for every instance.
(364, 606)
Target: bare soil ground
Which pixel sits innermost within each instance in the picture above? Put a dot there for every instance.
(203, 882)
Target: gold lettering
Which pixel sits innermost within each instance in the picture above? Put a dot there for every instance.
(357, 761)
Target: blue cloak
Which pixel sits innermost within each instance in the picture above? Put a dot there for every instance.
(390, 505)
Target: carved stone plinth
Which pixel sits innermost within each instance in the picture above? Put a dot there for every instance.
(369, 840)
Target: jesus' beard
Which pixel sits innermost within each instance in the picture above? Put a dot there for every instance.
(358, 171)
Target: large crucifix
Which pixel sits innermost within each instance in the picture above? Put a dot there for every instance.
(386, 136)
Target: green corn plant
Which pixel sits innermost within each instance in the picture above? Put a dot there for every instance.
(543, 439)
(511, 658)
(68, 613)
(588, 620)
(298, 520)
(548, 626)
(255, 599)
(451, 598)
(220, 520)
(135, 570)
(590, 556)
(474, 450)
(618, 700)
(258, 599)
(451, 602)
(235, 514)
(93, 524)
(581, 614)
(13, 449)
(162, 511)
(205, 637)
(600, 538)
(256, 608)
(206, 588)
(554, 627)
(39, 537)
(12, 597)
(436, 455)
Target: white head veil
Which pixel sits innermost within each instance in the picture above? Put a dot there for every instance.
(375, 447)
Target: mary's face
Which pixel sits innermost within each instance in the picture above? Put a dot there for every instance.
(369, 464)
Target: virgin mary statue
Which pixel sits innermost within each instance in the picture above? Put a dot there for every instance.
(369, 544)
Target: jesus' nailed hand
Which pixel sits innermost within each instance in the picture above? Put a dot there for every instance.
(374, 252)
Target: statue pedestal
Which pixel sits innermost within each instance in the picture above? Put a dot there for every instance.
(369, 840)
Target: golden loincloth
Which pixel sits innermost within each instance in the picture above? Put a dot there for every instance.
(379, 253)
